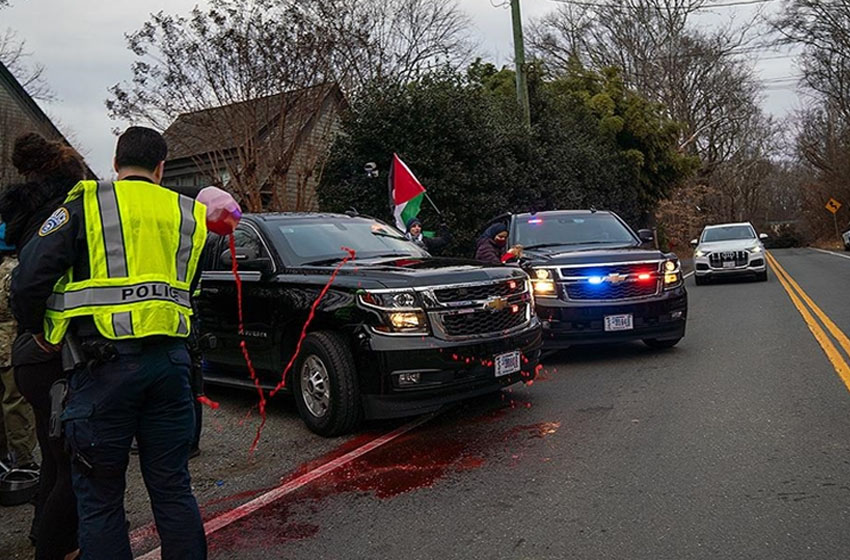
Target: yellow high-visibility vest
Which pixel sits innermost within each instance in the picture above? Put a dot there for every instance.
(144, 244)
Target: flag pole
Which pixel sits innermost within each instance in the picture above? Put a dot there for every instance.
(437, 210)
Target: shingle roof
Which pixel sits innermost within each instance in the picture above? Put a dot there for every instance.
(220, 129)
(28, 104)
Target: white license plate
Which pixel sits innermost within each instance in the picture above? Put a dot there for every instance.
(729, 264)
(507, 363)
(619, 322)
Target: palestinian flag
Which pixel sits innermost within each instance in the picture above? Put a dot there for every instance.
(406, 193)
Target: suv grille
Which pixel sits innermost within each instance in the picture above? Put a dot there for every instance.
(479, 292)
(485, 322)
(585, 271)
(467, 311)
(626, 290)
(717, 259)
(625, 283)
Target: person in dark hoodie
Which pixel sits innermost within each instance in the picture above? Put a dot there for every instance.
(491, 247)
(431, 244)
(50, 169)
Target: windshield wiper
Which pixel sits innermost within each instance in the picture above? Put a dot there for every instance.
(323, 262)
(543, 245)
(390, 235)
(388, 255)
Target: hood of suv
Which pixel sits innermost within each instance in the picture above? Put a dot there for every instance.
(559, 256)
(412, 273)
(731, 245)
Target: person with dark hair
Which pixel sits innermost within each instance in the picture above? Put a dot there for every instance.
(431, 244)
(110, 273)
(491, 246)
(50, 170)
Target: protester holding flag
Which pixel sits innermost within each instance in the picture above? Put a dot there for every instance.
(491, 246)
(426, 239)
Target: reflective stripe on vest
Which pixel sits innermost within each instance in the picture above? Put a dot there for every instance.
(144, 245)
(118, 295)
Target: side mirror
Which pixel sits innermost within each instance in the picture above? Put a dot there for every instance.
(694, 242)
(646, 235)
(247, 261)
(763, 236)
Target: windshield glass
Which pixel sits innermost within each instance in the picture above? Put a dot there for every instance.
(728, 233)
(311, 241)
(565, 229)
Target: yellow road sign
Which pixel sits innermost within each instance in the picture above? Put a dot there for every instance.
(833, 205)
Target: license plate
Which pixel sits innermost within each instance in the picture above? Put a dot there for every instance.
(729, 264)
(507, 363)
(619, 322)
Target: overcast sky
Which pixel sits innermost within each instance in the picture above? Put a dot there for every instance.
(81, 44)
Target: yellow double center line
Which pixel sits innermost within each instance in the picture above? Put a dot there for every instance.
(801, 300)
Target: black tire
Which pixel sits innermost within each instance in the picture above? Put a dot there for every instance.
(761, 276)
(700, 280)
(846, 247)
(657, 344)
(342, 412)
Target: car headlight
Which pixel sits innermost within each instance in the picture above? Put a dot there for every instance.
(543, 283)
(406, 300)
(400, 311)
(406, 320)
(756, 249)
(672, 274)
(700, 253)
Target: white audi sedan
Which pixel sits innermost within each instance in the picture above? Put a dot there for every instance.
(726, 250)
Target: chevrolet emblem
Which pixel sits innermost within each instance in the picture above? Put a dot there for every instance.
(616, 278)
(496, 304)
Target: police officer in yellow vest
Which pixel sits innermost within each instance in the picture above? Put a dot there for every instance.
(115, 266)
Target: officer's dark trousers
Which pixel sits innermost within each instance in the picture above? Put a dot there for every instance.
(144, 393)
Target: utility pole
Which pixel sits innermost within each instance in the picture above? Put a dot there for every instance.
(519, 56)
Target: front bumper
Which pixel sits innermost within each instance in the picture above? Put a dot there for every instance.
(449, 371)
(570, 323)
(756, 264)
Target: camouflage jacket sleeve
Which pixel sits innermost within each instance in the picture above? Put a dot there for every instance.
(6, 267)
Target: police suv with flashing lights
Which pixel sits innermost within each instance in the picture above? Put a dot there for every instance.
(725, 250)
(595, 282)
(397, 333)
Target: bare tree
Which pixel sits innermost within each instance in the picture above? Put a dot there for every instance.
(822, 29)
(390, 38)
(268, 63)
(695, 74)
(15, 57)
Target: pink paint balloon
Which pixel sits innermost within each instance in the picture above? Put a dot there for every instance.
(223, 212)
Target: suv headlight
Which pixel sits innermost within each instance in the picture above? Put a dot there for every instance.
(756, 249)
(401, 312)
(672, 274)
(543, 282)
(700, 253)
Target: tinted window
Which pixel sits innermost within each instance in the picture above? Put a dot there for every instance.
(311, 241)
(247, 243)
(728, 233)
(567, 229)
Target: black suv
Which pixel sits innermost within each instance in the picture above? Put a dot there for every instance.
(594, 281)
(398, 333)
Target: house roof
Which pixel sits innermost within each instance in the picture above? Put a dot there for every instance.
(28, 105)
(220, 129)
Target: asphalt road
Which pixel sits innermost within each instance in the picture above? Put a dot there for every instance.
(734, 444)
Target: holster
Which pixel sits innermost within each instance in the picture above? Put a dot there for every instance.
(58, 397)
(72, 353)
